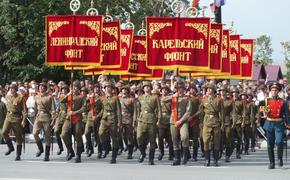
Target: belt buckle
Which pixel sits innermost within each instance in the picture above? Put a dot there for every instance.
(164, 114)
(146, 112)
(211, 116)
(123, 112)
(108, 113)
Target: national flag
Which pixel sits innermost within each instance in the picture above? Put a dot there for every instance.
(216, 3)
(195, 3)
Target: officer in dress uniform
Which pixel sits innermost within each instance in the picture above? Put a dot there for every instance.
(276, 113)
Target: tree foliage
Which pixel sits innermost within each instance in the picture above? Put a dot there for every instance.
(263, 50)
(22, 31)
(286, 52)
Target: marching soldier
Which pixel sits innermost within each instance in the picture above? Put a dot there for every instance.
(227, 134)
(73, 123)
(111, 119)
(254, 112)
(3, 112)
(276, 115)
(128, 108)
(247, 120)
(164, 123)
(181, 107)
(194, 122)
(213, 110)
(61, 116)
(84, 94)
(95, 112)
(148, 114)
(238, 114)
(15, 120)
(45, 118)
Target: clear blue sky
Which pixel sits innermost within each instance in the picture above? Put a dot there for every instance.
(253, 18)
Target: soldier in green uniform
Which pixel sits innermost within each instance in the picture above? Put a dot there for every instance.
(95, 112)
(84, 93)
(3, 112)
(111, 119)
(213, 110)
(15, 120)
(73, 123)
(181, 110)
(194, 123)
(164, 123)
(148, 116)
(61, 116)
(247, 120)
(227, 134)
(45, 118)
(128, 109)
(238, 114)
(254, 115)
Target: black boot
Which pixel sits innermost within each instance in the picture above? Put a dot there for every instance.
(142, 149)
(280, 154)
(207, 158)
(10, 147)
(194, 154)
(70, 152)
(161, 154)
(151, 156)
(246, 149)
(130, 151)
(114, 156)
(46, 156)
(40, 149)
(18, 152)
(216, 158)
(171, 153)
(60, 146)
(79, 153)
(271, 158)
(238, 152)
(177, 154)
(100, 151)
(185, 155)
(228, 154)
(90, 148)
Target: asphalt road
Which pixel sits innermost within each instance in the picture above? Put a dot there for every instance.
(250, 167)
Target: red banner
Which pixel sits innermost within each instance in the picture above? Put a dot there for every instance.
(247, 54)
(226, 65)
(216, 33)
(138, 57)
(126, 47)
(111, 45)
(73, 40)
(178, 43)
(157, 74)
(235, 56)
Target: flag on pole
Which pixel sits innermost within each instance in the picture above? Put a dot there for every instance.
(216, 3)
(195, 3)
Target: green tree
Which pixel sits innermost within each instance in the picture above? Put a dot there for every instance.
(286, 52)
(263, 50)
(22, 31)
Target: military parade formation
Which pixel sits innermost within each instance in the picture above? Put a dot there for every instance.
(191, 118)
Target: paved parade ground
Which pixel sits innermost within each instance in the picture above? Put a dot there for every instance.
(251, 167)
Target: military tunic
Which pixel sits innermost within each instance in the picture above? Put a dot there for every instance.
(3, 112)
(16, 113)
(183, 107)
(148, 114)
(111, 118)
(238, 114)
(45, 113)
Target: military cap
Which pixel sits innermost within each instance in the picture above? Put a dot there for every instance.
(193, 86)
(211, 86)
(251, 94)
(13, 86)
(84, 89)
(77, 84)
(243, 93)
(275, 85)
(235, 90)
(43, 84)
(155, 91)
(125, 87)
(109, 84)
(146, 83)
(164, 86)
(262, 86)
(180, 84)
(65, 86)
(223, 88)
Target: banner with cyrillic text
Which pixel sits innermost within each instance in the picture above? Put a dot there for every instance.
(247, 54)
(235, 56)
(178, 43)
(73, 40)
